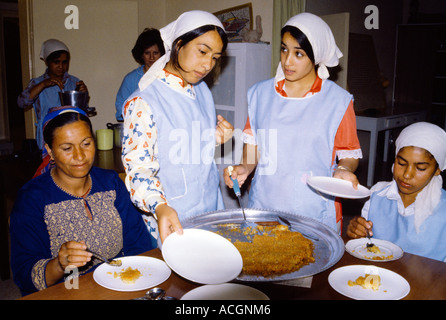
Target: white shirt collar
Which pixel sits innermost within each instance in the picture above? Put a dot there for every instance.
(392, 193)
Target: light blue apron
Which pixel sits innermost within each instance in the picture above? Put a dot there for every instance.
(186, 146)
(295, 138)
(48, 99)
(389, 225)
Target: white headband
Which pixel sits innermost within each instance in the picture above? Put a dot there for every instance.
(433, 139)
(427, 136)
(50, 46)
(185, 23)
(326, 53)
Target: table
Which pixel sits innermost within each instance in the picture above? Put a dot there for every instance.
(425, 276)
(384, 123)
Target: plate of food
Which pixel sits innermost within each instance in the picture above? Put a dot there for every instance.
(225, 291)
(135, 273)
(381, 251)
(202, 256)
(362, 282)
(337, 187)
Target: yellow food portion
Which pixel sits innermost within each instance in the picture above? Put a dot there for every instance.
(381, 255)
(277, 251)
(128, 275)
(369, 281)
(374, 249)
(116, 262)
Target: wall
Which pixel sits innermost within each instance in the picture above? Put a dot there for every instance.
(264, 8)
(157, 14)
(100, 47)
(151, 14)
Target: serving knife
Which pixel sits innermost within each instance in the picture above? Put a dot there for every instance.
(285, 221)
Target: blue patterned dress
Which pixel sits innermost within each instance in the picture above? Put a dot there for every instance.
(44, 217)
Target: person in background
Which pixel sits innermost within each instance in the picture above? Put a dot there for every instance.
(410, 210)
(43, 92)
(171, 128)
(148, 48)
(75, 206)
(300, 124)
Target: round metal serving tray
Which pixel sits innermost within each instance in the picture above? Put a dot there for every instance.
(328, 249)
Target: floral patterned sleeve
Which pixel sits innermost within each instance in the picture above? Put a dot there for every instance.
(140, 156)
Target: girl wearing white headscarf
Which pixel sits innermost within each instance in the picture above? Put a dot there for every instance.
(301, 124)
(43, 92)
(170, 127)
(410, 211)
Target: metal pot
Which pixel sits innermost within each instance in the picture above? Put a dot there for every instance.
(118, 129)
(78, 99)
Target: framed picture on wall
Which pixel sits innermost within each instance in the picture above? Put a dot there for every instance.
(235, 19)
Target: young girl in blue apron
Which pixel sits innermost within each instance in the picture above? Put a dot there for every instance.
(300, 124)
(410, 211)
(170, 128)
(42, 93)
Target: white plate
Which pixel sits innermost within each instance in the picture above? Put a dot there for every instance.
(225, 291)
(202, 256)
(154, 271)
(393, 286)
(338, 187)
(358, 249)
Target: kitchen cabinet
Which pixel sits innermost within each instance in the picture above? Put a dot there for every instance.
(439, 80)
(242, 65)
(420, 71)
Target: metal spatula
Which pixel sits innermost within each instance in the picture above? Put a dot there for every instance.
(238, 193)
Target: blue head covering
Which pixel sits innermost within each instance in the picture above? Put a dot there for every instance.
(52, 113)
(55, 111)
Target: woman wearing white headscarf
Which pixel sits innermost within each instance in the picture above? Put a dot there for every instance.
(410, 211)
(300, 123)
(170, 127)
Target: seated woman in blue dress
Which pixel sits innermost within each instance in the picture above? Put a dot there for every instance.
(70, 208)
(410, 211)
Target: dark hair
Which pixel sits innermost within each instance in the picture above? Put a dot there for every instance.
(191, 35)
(60, 121)
(55, 55)
(146, 39)
(301, 38)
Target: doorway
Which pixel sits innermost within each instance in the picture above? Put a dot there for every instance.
(12, 117)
